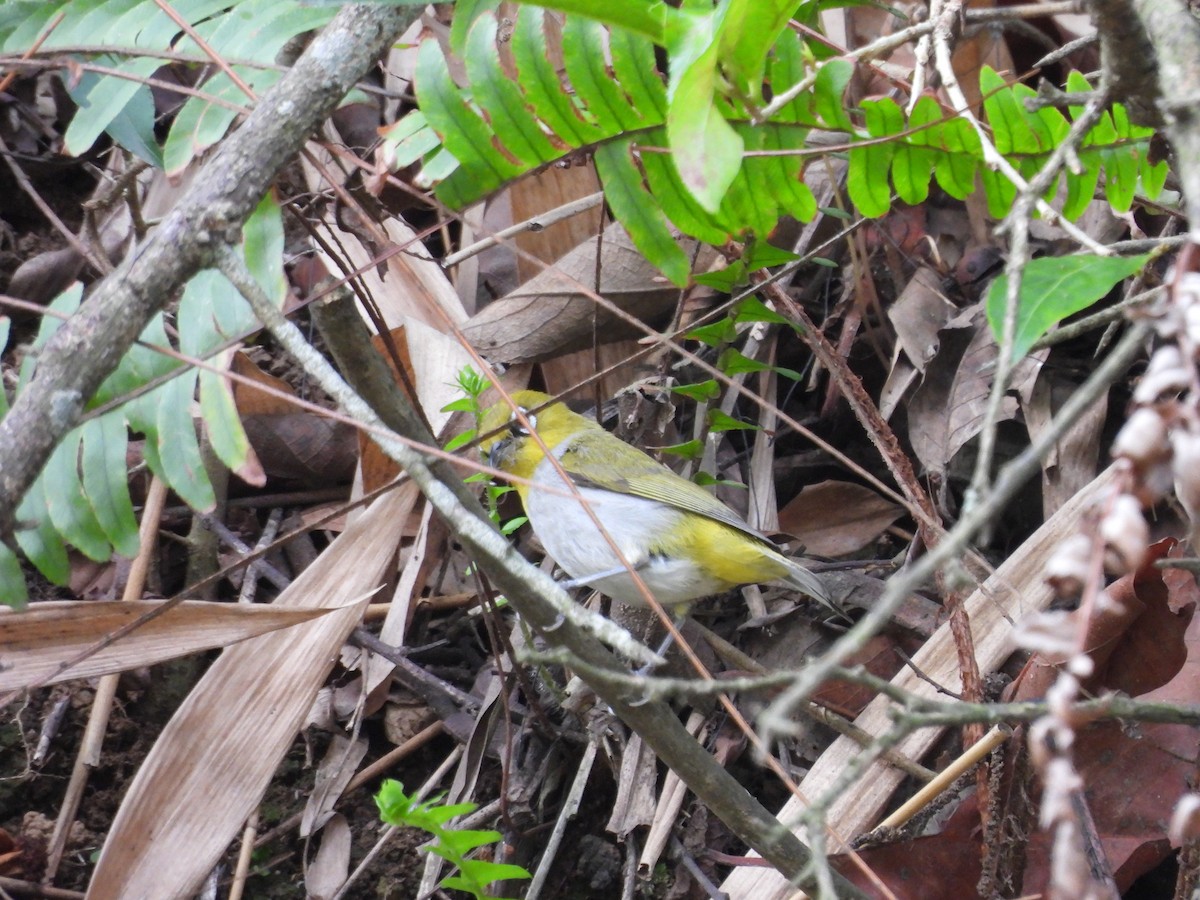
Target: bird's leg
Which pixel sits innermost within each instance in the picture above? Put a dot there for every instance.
(665, 645)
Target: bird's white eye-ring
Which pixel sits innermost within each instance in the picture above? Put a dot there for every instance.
(516, 427)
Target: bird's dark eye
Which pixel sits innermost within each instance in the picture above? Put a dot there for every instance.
(517, 428)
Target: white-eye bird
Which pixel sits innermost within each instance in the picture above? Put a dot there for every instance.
(683, 542)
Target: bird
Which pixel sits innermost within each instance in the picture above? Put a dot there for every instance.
(683, 542)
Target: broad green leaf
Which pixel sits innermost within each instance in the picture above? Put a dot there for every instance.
(223, 425)
(714, 334)
(1120, 178)
(649, 19)
(262, 243)
(726, 279)
(636, 210)
(787, 69)
(466, 14)
(105, 480)
(751, 309)
(866, 178)
(750, 199)
(540, 82)
(1053, 288)
(13, 592)
(1153, 176)
(1010, 128)
(707, 149)
(1000, 192)
(178, 448)
(66, 502)
(41, 543)
(787, 182)
(122, 107)
(677, 201)
(747, 32)
(1081, 188)
(686, 450)
(829, 93)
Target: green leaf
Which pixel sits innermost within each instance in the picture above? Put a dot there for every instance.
(701, 392)
(1007, 115)
(720, 421)
(122, 107)
(541, 84)
(633, 206)
(105, 480)
(459, 441)
(866, 178)
(751, 309)
(178, 447)
(1081, 188)
(677, 201)
(584, 55)
(1053, 288)
(747, 32)
(714, 334)
(687, 450)
(707, 149)
(634, 64)
(41, 542)
(463, 132)
(223, 425)
(499, 96)
(725, 279)
(829, 93)
(13, 592)
(67, 503)
(262, 244)
(649, 19)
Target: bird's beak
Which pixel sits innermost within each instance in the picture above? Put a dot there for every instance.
(497, 452)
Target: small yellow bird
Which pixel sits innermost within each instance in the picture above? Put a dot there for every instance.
(683, 542)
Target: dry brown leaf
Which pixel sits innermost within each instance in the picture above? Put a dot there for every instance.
(334, 772)
(331, 866)
(211, 764)
(304, 446)
(948, 409)
(36, 642)
(835, 518)
(1072, 462)
(1015, 588)
(253, 402)
(550, 315)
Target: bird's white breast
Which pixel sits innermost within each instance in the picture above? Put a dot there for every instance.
(634, 524)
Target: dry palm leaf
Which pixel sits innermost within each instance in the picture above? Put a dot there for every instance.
(214, 759)
(39, 642)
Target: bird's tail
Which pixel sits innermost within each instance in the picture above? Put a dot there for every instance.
(804, 580)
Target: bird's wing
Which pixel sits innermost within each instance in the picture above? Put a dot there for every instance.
(640, 475)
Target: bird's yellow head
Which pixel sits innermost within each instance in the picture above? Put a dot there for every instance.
(511, 449)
